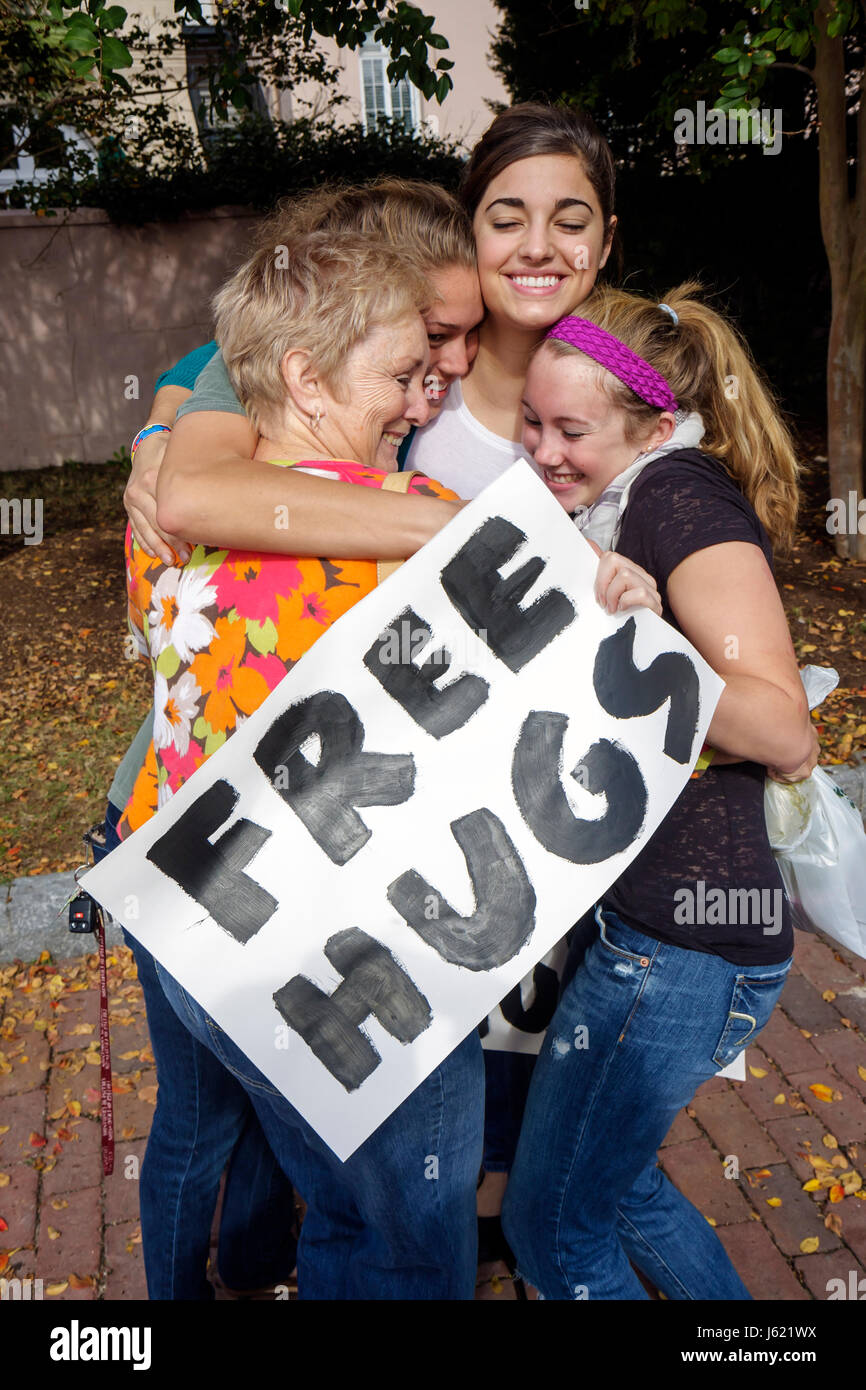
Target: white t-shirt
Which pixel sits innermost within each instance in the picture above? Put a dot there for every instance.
(460, 452)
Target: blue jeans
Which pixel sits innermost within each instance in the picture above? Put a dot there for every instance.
(189, 1146)
(397, 1219)
(640, 1025)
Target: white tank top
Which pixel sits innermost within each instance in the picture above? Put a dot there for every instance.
(457, 450)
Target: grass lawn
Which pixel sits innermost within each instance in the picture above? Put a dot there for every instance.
(72, 700)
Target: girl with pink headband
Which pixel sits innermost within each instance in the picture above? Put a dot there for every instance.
(669, 979)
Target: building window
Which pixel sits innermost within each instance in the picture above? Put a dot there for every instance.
(383, 100)
(48, 149)
(203, 53)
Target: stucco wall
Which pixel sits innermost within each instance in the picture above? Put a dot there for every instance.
(84, 306)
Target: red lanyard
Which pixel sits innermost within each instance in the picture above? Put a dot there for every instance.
(107, 1099)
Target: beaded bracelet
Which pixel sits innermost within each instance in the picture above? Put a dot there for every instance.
(142, 434)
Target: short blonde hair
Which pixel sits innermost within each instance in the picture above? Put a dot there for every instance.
(323, 293)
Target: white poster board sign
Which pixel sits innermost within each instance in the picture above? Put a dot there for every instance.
(385, 847)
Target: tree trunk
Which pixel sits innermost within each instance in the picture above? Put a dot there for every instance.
(846, 409)
(844, 235)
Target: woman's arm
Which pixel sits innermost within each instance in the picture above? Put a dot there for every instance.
(726, 602)
(139, 496)
(212, 490)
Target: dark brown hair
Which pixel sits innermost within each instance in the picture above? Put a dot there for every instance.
(531, 128)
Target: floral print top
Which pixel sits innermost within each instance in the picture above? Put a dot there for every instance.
(221, 632)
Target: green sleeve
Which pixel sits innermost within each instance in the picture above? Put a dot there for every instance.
(212, 391)
(130, 765)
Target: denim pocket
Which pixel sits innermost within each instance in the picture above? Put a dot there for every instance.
(753, 1000)
(218, 1040)
(611, 926)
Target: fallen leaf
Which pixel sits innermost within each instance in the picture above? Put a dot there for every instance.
(54, 1289)
(779, 1099)
(763, 1173)
(813, 1185)
(851, 1182)
(76, 1281)
(3, 1225)
(837, 1192)
(758, 1071)
(53, 1233)
(823, 1092)
(829, 994)
(830, 1141)
(37, 1141)
(774, 1201)
(4, 1180)
(833, 1222)
(147, 1094)
(74, 1107)
(711, 1221)
(809, 1245)
(816, 1160)
(127, 1056)
(4, 1260)
(4, 1129)
(82, 1028)
(59, 1203)
(839, 1161)
(861, 1072)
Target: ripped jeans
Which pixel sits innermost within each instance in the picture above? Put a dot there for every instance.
(640, 1025)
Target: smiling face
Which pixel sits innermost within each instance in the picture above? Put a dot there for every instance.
(541, 240)
(452, 329)
(575, 433)
(381, 395)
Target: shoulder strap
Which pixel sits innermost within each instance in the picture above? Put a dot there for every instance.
(393, 482)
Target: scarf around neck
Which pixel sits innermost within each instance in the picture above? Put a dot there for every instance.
(602, 521)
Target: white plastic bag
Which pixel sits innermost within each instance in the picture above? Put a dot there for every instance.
(820, 846)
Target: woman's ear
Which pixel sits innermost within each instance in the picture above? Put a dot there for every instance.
(608, 242)
(302, 382)
(661, 433)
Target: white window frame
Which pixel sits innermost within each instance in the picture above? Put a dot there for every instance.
(374, 58)
(25, 169)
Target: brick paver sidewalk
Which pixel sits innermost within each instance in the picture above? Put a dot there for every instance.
(63, 1223)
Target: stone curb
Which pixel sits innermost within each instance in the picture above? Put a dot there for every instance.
(28, 914)
(29, 922)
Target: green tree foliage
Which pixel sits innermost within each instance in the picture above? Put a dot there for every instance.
(633, 63)
(251, 163)
(67, 62)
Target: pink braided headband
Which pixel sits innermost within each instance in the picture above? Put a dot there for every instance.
(613, 354)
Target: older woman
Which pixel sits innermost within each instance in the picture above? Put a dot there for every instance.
(327, 349)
